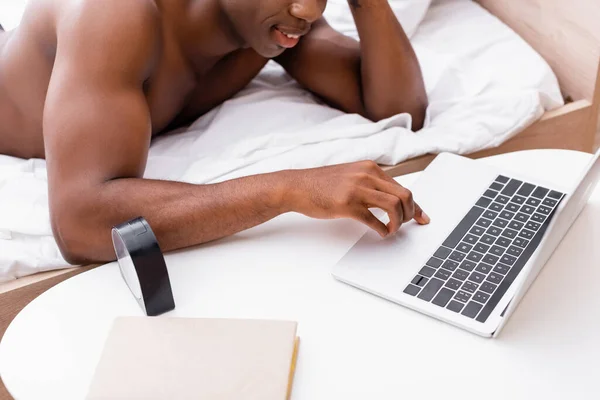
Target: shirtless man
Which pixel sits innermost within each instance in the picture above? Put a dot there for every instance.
(85, 84)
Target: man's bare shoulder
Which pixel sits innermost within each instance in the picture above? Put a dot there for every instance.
(139, 14)
(110, 32)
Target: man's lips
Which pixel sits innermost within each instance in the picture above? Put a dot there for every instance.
(286, 37)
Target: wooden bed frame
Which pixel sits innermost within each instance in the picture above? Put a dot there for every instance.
(566, 34)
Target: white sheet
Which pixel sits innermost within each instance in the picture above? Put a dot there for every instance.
(485, 84)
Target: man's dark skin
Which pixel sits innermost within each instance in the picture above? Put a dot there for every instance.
(85, 84)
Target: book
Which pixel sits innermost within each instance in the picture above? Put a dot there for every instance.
(196, 358)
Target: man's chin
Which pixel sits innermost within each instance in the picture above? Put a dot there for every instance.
(270, 51)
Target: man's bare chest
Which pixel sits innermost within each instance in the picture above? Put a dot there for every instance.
(178, 91)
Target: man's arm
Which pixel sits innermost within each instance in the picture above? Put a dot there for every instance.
(377, 78)
(97, 130)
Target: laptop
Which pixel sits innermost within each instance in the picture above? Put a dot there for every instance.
(491, 233)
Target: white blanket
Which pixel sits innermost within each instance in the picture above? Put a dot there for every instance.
(485, 84)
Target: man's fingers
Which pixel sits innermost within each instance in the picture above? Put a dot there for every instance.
(387, 202)
(420, 216)
(401, 193)
(366, 217)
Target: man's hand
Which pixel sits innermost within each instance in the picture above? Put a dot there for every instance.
(349, 190)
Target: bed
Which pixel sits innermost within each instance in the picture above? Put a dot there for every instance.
(565, 34)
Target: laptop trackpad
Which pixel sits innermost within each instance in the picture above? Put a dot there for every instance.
(446, 191)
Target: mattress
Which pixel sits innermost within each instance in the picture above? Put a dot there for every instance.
(485, 84)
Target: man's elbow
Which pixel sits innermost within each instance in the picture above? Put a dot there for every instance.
(71, 238)
(416, 109)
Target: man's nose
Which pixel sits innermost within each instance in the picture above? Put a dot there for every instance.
(308, 10)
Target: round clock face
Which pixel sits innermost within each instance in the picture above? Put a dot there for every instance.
(126, 265)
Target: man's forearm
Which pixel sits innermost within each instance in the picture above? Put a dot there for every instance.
(180, 214)
(391, 77)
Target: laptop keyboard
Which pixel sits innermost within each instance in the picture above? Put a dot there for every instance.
(476, 264)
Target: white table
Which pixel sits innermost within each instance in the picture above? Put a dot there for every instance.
(353, 345)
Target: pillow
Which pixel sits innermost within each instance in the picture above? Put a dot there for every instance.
(11, 12)
(410, 13)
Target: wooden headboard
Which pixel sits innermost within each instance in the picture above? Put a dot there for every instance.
(565, 32)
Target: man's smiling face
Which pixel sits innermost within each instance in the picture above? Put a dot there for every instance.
(271, 26)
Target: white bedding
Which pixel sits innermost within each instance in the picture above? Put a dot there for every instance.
(485, 84)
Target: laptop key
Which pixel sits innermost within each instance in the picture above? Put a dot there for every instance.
(490, 259)
(534, 226)
(495, 278)
(500, 223)
(472, 309)
(526, 189)
(483, 222)
(427, 271)
(502, 199)
(476, 277)
(464, 247)
(482, 248)
(453, 284)
(490, 214)
(490, 193)
(463, 226)
(514, 251)
(501, 268)
(460, 274)
(477, 230)
(457, 256)
(450, 265)
(508, 260)
(518, 199)
(494, 231)
(412, 290)
(483, 268)
(511, 187)
(455, 306)
(469, 286)
(515, 225)
(488, 287)
(512, 207)
(483, 202)
(540, 192)
(555, 195)
(538, 218)
(521, 217)
(443, 297)
(509, 233)
(471, 239)
(430, 289)
(474, 256)
(497, 251)
(548, 202)
(487, 239)
(496, 207)
(496, 186)
(507, 215)
(544, 210)
(434, 262)
(527, 209)
(481, 297)
(467, 265)
(502, 241)
(526, 234)
(442, 253)
(462, 296)
(442, 274)
(521, 242)
(419, 280)
(532, 201)
(502, 179)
